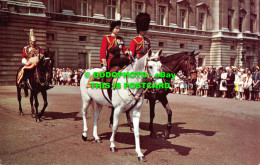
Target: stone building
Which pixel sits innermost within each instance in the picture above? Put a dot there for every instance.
(225, 32)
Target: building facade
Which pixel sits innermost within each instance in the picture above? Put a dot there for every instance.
(226, 33)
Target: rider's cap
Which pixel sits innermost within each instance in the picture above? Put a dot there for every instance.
(114, 24)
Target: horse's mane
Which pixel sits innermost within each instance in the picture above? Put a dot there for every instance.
(172, 57)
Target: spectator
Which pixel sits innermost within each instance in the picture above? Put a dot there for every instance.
(230, 82)
(199, 84)
(205, 86)
(256, 83)
(248, 87)
(223, 83)
(211, 82)
(217, 79)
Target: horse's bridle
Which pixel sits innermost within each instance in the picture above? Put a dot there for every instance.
(185, 59)
(147, 79)
(37, 74)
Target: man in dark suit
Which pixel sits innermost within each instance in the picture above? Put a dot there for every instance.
(211, 75)
(230, 82)
(216, 80)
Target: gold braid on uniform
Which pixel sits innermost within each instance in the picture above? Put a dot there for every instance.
(139, 44)
(111, 43)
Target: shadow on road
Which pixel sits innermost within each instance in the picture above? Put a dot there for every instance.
(60, 115)
(153, 144)
(177, 130)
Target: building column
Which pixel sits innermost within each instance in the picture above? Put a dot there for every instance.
(235, 20)
(215, 15)
(224, 16)
(246, 23)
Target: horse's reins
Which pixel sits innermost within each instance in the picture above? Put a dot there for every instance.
(37, 75)
(174, 70)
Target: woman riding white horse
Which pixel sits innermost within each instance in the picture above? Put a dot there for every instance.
(123, 99)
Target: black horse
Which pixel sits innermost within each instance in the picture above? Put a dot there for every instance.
(184, 61)
(37, 80)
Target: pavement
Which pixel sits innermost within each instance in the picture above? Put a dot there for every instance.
(205, 130)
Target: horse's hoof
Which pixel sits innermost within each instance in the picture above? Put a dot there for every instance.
(142, 159)
(166, 134)
(21, 114)
(131, 127)
(84, 138)
(110, 125)
(153, 135)
(98, 141)
(113, 149)
(38, 120)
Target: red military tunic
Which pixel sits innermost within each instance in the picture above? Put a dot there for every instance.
(29, 51)
(139, 46)
(111, 48)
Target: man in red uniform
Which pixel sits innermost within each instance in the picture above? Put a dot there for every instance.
(30, 58)
(111, 47)
(140, 44)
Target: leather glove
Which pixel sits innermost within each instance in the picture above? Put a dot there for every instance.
(104, 68)
(24, 61)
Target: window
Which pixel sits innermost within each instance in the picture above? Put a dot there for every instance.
(182, 46)
(138, 8)
(252, 23)
(50, 36)
(200, 46)
(161, 44)
(229, 22)
(82, 60)
(182, 18)
(111, 9)
(201, 20)
(82, 38)
(240, 23)
(200, 61)
(232, 61)
(232, 47)
(84, 7)
(161, 15)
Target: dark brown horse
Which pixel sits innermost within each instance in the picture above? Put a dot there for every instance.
(184, 61)
(37, 80)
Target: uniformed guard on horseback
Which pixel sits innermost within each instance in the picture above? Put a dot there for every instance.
(111, 47)
(140, 44)
(30, 57)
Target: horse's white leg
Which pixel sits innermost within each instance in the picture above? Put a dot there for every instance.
(117, 112)
(85, 105)
(136, 120)
(96, 116)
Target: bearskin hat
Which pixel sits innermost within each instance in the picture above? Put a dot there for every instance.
(142, 21)
(114, 24)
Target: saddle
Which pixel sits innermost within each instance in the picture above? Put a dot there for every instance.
(109, 80)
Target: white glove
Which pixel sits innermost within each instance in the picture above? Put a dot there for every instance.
(24, 61)
(104, 68)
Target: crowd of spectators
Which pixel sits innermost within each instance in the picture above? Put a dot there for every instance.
(226, 82)
(67, 76)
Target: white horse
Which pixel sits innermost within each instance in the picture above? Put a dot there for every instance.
(122, 98)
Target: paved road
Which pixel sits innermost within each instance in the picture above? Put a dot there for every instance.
(208, 131)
